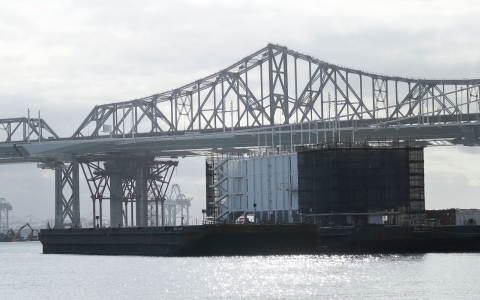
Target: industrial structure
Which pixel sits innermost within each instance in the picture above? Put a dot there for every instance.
(370, 182)
(135, 188)
(270, 101)
(258, 184)
(337, 182)
(5, 207)
(177, 207)
(453, 216)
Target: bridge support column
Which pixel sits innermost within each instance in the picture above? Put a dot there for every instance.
(116, 196)
(141, 192)
(163, 210)
(115, 169)
(132, 180)
(67, 178)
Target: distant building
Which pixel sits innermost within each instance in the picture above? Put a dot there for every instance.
(453, 216)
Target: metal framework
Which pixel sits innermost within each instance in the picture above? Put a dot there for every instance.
(156, 182)
(177, 207)
(98, 184)
(25, 130)
(67, 195)
(275, 86)
(274, 91)
(5, 207)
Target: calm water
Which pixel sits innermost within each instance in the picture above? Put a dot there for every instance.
(26, 273)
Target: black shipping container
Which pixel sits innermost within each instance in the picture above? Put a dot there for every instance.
(361, 180)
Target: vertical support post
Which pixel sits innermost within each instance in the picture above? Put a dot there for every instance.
(285, 88)
(116, 194)
(93, 212)
(271, 85)
(141, 195)
(101, 212)
(296, 90)
(75, 193)
(261, 91)
(373, 100)
(156, 211)
(146, 173)
(131, 212)
(199, 108)
(58, 199)
(223, 103)
(64, 178)
(125, 212)
(163, 210)
(215, 105)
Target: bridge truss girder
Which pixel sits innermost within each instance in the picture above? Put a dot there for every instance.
(276, 86)
(25, 129)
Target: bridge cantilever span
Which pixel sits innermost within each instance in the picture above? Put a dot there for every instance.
(274, 89)
(26, 129)
(275, 86)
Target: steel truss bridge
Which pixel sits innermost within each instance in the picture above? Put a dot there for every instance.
(274, 98)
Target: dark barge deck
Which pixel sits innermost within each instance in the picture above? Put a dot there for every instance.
(285, 239)
(202, 240)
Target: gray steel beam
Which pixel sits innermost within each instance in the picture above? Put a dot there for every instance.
(35, 127)
(67, 206)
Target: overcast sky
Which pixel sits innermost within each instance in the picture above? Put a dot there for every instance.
(64, 57)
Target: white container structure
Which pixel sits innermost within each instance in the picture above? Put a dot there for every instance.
(467, 216)
(260, 188)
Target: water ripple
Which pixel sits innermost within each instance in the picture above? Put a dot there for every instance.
(28, 274)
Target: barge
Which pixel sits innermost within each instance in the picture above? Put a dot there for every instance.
(399, 239)
(353, 197)
(202, 240)
(284, 239)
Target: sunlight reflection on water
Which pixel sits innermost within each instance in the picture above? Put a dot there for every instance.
(28, 274)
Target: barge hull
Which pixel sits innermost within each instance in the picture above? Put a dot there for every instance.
(288, 239)
(400, 239)
(204, 240)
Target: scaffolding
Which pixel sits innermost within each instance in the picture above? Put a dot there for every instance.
(212, 192)
(5, 207)
(380, 182)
